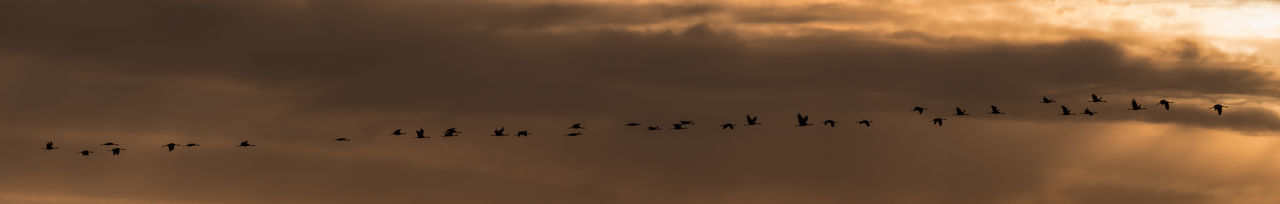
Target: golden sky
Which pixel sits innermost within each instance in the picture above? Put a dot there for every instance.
(292, 75)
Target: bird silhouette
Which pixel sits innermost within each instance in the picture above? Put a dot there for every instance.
(110, 144)
(802, 120)
(633, 124)
(654, 128)
(1066, 111)
(342, 139)
(451, 132)
(865, 122)
(1089, 112)
(995, 110)
(938, 121)
(498, 132)
(116, 151)
(397, 132)
(960, 111)
(245, 144)
(421, 133)
(170, 146)
(573, 134)
(1095, 99)
(752, 120)
(1133, 105)
(831, 123)
(678, 126)
(1165, 103)
(49, 146)
(727, 126)
(686, 122)
(919, 109)
(577, 126)
(1218, 107)
(1046, 99)
(85, 153)
(522, 133)
(191, 145)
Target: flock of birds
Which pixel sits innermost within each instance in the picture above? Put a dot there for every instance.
(801, 121)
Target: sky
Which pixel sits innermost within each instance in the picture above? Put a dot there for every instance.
(290, 76)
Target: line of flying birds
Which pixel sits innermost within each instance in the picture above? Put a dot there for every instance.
(801, 121)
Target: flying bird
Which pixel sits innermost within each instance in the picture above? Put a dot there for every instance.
(1164, 103)
(654, 128)
(960, 111)
(397, 132)
(1089, 112)
(633, 124)
(995, 110)
(1095, 99)
(245, 144)
(938, 121)
(752, 120)
(727, 126)
(421, 133)
(170, 146)
(865, 122)
(919, 109)
(498, 132)
(1218, 107)
(116, 151)
(576, 126)
(1046, 100)
(110, 144)
(831, 123)
(451, 132)
(1066, 111)
(49, 146)
(686, 122)
(1133, 105)
(342, 139)
(522, 133)
(573, 134)
(803, 120)
(678, 126)
(85, 153)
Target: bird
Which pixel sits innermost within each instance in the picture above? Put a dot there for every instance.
(752, 120)
(686, 122)
(451, 132)
(865, 122)
(919, 109)
(421, 133)
(245, 144)
(727, 126)
(397, 132)
(803, 120)
(1046, 99)
(938, 121)
(1133, 105)
(577, 126)
(498, 132)
(678, 126)
(831, 123)
(1089, 112)
(654, 128)
(110, 144)
(1218, 107)
(573, 134)
(995, 110)
(191, 145)
(1164, 103)
(116, 151)
(49, 146)
(960, 111)
(342, 139)
(170, 146)
(1095, 99)
(633, 124)
(1066, 111)
(522, 133)
(85, 153)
